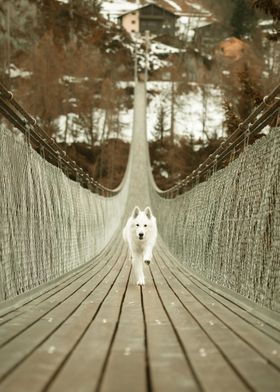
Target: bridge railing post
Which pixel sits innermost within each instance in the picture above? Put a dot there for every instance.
(247, 135)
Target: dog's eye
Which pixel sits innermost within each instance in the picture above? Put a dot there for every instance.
(137, 224)
(145, 225)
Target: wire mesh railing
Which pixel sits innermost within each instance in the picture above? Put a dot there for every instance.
(45, 145)
(267, 113)
(50, 224)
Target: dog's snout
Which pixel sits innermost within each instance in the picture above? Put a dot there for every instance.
(141, 235)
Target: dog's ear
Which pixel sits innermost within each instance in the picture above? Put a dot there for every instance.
(148, 212)
(135, 212)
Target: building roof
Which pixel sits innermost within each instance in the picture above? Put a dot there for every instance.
(214, 24)
(145, 6)
(233, 48)
(175, 7)
(183, 7)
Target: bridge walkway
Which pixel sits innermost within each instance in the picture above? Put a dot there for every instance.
(95, 330)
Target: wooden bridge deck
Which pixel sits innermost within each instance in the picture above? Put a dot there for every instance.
(95, 330)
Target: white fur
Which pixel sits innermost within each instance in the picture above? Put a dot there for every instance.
(140, 233)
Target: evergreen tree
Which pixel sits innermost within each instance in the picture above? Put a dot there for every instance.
(160, 129)
(232, 120)
(272, 8)
(250, 92)
(92, 6)
(243, 20)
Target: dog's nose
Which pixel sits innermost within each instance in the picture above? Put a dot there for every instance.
(141, 235)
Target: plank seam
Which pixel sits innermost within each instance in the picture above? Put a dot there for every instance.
(47, 386)
(58, 304)
(198, 383)
(225, 323)
(209, 337)
(55, 329)
(147, 361)
(106, 360)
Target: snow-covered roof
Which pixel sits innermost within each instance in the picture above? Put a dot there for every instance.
(145, 6)
(117, 8)
(184, 7)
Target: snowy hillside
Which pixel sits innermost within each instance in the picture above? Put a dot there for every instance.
(190, 109)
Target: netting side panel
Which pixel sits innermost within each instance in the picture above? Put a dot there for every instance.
(228, 228)
(49, 224)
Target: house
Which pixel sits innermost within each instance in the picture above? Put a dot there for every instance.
(151, 17)
(158, 16)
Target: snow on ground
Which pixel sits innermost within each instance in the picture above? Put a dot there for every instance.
(77, 134)
(156, 51)
(16, 72)
(187, 25)
(190, 110)
(126, 119)
(265, 22)
(162, 49)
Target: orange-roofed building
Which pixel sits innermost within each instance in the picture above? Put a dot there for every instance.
(233, 48)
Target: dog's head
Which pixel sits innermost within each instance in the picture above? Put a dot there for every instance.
(142, 222)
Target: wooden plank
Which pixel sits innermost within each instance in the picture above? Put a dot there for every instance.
(169, 368)
(28, 340)
(35, 373)
(8, 310)
(212, 369)
(15, 306)
(126, 367)
(82, 372)
(250, 365)
(42, 296)
(35, 311)
(106, 335)
(11, 312)
(271, 330)
(264, 319)
(261, 342)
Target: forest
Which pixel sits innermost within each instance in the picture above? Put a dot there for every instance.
(72, 68)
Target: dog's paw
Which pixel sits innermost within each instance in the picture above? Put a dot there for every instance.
(140, 282)
(147, 262)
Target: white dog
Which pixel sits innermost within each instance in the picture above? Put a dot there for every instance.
(140, 233)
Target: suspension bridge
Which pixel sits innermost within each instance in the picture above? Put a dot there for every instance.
(71, 316)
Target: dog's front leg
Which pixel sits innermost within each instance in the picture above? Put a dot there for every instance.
(148, 254)
(137, 264)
